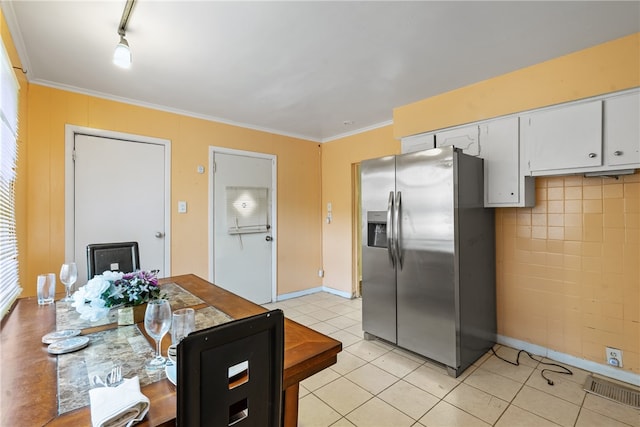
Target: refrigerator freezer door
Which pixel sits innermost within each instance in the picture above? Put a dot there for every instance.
(426, 314)
(378, 272)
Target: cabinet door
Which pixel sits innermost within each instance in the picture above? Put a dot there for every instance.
(563, 138)
(622, 130)
(413, 143)
(466, 138)
(503, 183)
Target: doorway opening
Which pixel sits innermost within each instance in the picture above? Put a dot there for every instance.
(356, 228)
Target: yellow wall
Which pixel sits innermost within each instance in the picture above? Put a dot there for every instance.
(299, 255)
(337, 159)
(568, 280)
(604, 68)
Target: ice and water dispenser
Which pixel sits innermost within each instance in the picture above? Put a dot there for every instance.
(377, 229)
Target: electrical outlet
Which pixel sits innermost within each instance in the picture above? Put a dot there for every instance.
(614, 357)
(321, 273)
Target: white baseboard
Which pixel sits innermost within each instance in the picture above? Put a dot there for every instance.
(342, 294)
(586, 365)
(304, 292)
(299, 293)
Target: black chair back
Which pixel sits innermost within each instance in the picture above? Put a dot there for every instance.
(231, 374)
(122, 256)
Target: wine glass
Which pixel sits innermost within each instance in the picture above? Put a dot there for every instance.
(68, 276)
(157, 322)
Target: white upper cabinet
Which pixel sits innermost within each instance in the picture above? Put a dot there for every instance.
(413, 143)
(504, 185)
(495, 141)
(594, 137)
(600, 136)
(466, 138)
(622, 130)
(562, 138)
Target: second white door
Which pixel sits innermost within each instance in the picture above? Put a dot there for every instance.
(243, 235)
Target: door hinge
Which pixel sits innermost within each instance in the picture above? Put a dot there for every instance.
(214, 167)
(73, 155)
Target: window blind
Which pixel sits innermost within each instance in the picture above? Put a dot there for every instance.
(9, 283)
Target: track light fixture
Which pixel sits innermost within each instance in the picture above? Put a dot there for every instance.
(122, 54)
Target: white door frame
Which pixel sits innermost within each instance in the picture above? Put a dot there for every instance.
(70, 131)
(274, 210)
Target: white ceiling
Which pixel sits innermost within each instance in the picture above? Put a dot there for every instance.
(299, 68)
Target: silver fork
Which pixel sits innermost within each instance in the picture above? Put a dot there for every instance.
(114, 377)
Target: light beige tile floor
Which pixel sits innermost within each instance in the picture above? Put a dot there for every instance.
(374, 384)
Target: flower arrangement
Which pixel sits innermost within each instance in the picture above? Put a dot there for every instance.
(113, 289)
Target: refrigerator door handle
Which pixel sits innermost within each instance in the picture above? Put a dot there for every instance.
(390, 240)
(397, 235)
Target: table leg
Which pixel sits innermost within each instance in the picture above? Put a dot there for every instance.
(290, 406)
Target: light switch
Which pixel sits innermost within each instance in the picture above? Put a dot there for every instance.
(182, 206)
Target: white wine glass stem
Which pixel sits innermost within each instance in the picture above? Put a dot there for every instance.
(158, 351)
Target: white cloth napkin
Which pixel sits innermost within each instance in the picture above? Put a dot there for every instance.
(123, 405)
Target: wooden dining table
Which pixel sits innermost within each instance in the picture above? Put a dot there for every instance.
(29, 374)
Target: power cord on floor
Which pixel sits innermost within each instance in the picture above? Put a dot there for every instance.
(565, 370)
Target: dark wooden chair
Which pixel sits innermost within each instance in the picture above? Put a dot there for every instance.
(231, 374)
(122, 256)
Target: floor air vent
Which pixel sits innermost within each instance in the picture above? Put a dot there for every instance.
(612, 391)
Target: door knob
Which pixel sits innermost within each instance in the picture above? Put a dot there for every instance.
(159, 234)
(268, 238)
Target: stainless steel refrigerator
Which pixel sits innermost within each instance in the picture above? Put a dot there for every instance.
(428, 256)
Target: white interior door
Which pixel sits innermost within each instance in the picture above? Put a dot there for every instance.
(119, 196)
(243, 217)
